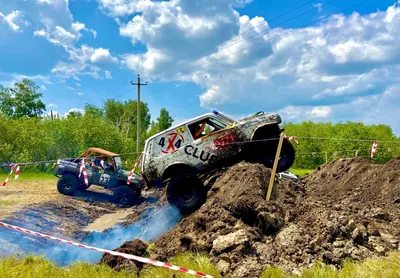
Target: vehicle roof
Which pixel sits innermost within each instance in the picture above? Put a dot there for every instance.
(185, 122)
(91, 151)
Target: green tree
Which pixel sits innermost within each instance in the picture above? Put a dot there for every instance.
(23, 100)
(94, 111)
(123, 115)
(164, 121)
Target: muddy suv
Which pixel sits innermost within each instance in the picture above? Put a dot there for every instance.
(113, 177)
(187, 158)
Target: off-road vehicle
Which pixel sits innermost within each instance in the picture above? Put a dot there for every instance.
(114, 177)
(187, 158)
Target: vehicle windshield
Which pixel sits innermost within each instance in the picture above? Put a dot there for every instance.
(118, 162)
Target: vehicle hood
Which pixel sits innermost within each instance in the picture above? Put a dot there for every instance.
(261, 117)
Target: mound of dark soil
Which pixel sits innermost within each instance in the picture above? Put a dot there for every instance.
(135, 247)
(345, 209)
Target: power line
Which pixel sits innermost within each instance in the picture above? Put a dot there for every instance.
(264, 31)
(275, 37)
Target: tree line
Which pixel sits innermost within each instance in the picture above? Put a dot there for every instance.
(28, 134)
(340, 140)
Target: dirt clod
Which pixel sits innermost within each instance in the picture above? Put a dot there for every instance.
(135, 247)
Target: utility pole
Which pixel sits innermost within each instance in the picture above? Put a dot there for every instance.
(138, 84)
(52, 114)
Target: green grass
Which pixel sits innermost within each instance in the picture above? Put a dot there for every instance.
(38, 267)
(35, 267)
(301, 172)
(192, 261)
(23, 176)
(7, 203)
(385, 267)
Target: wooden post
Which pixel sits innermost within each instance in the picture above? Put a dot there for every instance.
(278, 153)
(326, 157)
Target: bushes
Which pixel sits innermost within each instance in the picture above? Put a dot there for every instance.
(334, 149)
(38, 139)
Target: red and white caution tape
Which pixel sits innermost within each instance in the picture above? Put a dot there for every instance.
(374, 146)
(82, 169)
(133, 169)
(17, 172)
(123, 255)
(289, 138)
(9, 175)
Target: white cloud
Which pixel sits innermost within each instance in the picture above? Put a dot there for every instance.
(76, 110)
(52, 105)
(93, 32)
(85, 60)
(14, 20)
(309, 72)
(108, 74)
(102, 56)
(80, 94)
(319, 6)
(52, 20)
(43, 87)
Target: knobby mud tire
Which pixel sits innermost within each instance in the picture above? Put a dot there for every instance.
(125, 196)
(186, 192)
(286, 159)
(67, 184)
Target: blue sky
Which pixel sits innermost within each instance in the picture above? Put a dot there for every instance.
(345, 67)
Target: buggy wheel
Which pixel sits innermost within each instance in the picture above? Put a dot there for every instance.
(124, 195)
(186, 192)
(67, 184)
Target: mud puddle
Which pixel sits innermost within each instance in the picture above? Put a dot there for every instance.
(86, 220)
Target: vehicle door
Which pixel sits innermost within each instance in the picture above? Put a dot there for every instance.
(215, 143)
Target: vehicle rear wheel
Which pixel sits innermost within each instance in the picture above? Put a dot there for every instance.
(124, 195)
(286, 158)
(186, 192)
(67, 184)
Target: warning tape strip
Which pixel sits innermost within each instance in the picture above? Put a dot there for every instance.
(123, 255)
(133, 169)
(9, 175)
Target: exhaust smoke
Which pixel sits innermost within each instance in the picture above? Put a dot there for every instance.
(152, 223)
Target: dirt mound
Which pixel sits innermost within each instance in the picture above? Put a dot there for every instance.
(345, 209)
(135, 247)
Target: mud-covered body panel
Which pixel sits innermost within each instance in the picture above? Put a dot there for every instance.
(105, 178)
(176, 146)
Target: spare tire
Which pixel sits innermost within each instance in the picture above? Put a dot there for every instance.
(67, 184)
(186, 192)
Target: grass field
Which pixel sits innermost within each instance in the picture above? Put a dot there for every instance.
(32, 267)
(301, 172)
(30, 188)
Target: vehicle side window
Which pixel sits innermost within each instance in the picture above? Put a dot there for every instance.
(204, 127)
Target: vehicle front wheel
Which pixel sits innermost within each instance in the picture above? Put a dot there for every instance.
(286, 157)
(67, 184)
(186, 192)
(124, 195)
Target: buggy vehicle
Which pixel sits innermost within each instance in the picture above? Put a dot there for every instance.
(111, 176)
(189, 157)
